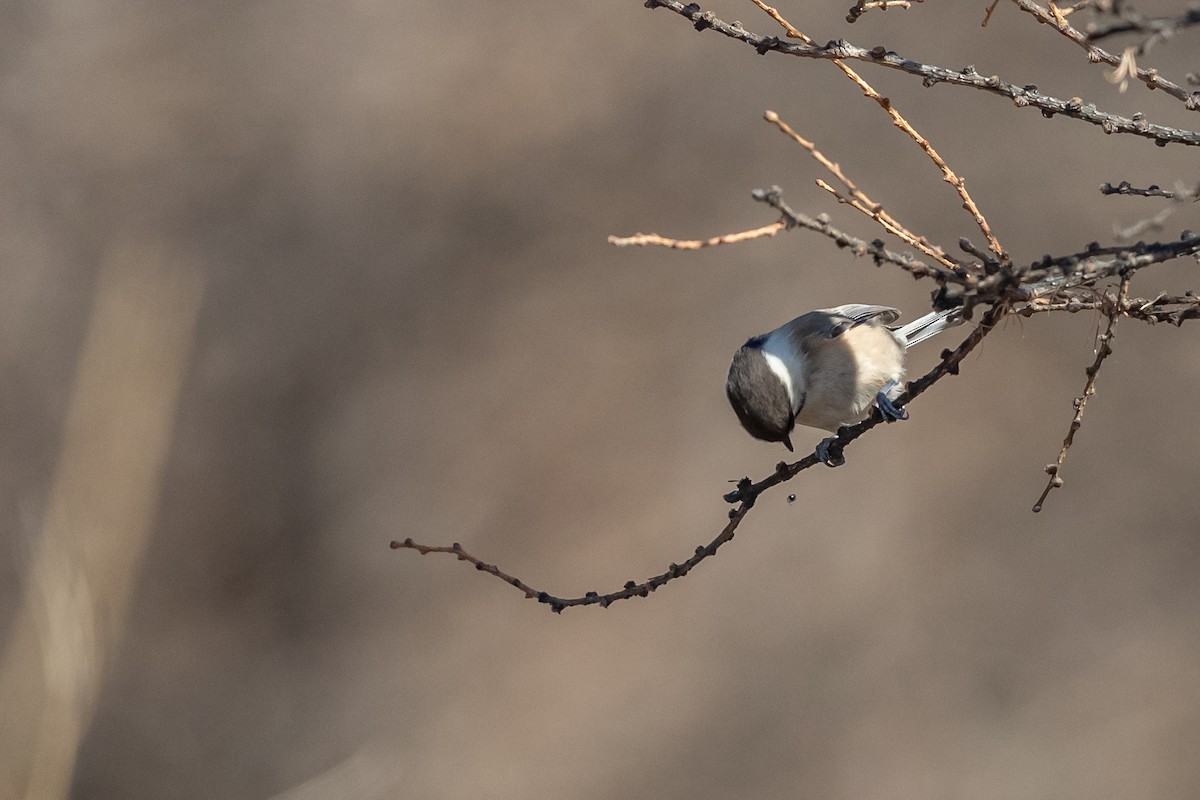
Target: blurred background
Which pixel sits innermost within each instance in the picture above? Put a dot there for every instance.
(283, 281)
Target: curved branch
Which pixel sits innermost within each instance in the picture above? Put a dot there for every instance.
(746, 495)
(631, 588)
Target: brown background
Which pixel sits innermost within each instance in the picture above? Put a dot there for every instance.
(412, 325)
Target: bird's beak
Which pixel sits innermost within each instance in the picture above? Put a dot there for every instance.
(787, 442)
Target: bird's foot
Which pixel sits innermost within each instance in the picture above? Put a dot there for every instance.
(830, 452)
(887, 409)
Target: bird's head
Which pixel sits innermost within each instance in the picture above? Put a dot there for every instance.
(761, 388)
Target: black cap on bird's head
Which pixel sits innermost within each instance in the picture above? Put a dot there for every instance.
(758, 395)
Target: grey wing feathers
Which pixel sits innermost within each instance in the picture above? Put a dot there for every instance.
(830, 323)
(863, 313)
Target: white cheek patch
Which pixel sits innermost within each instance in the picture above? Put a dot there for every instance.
(780, 369)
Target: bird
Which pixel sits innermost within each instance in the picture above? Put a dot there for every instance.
(826, 369)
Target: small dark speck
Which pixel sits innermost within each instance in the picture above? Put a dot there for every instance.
(791, 498)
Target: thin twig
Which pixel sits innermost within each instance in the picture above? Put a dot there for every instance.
(1153, 190)
(1103, 351)
(644, 239)
(987, 16)
(863, 6)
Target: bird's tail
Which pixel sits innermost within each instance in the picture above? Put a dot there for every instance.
(929, 325)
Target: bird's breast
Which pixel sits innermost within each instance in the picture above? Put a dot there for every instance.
(844, 374)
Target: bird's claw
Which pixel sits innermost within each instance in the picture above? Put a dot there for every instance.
(830, 452)
(888, 409)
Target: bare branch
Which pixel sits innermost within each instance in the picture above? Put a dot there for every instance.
(1123, 63)
(631, 588)
(931, 74)
(1103, 351)
(1153, 190)
(1088, 266)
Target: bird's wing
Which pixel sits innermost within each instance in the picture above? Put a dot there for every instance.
(858, 314)
(808, 330)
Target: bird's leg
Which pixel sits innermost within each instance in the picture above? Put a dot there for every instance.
(830, 452)
(889, 410)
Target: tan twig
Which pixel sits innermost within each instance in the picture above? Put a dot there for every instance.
(1124, 65)
(774, 14)
(646, 239)
(1103, 351)
(859, 199)
(948, 174)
